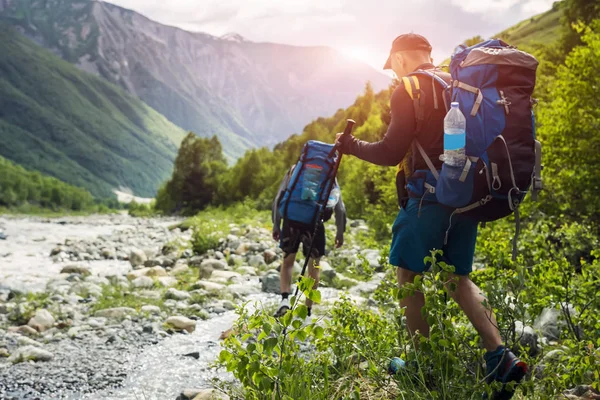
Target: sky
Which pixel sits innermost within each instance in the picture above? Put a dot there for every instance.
(363, 29)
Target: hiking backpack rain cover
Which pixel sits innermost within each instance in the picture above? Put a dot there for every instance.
(493, 84)
(310, 184)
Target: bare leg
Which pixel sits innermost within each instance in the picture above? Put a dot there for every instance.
(414, 319)
(285, 275)
(315, 274)
(470, 299)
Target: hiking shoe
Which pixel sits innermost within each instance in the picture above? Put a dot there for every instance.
(283, 308)
(503, 366)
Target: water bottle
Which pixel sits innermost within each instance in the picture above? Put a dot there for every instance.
(455, 126)
(310, 183)
(334, 197)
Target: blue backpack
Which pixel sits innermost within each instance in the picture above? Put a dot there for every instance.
(311, 182)
(493, 83)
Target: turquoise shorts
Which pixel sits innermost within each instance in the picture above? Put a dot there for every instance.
(415, 236)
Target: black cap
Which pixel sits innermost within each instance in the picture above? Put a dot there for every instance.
(406, 42)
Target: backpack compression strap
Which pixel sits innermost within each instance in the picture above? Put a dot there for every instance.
(411, 84)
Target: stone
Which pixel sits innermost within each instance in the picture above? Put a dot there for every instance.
(179, 269)
(96, 323)
(157, 271)
(167, 281)
(269, 256)
(86, 289)
(527, 338)
(327, 272)
(115, 313)
(4, 353)
(153, 262)
(372, 257)
(270, 283)
(244, 289)
(224, 276)
(76, 269)
(97, 280)
(180, 322)
(228, 305)
(150, 309)
(143, 282)
(214, 264)
(205, 272)
(25, 341)
(108, 254)
(137, 258)
(28, 353)
(256, 261)
(210, 394)
(242, 249)
(210, 286)
(23, 330)
(247, 271)
(137, 273)
(219, 255)
(175, 294)
(550, 323)
(42, 320)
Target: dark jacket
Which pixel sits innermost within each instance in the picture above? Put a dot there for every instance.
(401, 132)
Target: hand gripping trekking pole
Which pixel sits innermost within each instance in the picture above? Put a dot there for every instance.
(319, 216)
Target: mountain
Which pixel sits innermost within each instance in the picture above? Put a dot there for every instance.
(536, 31)
(249, 94)
(78, 127)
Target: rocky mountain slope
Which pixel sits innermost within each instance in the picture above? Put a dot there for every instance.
(250, 94)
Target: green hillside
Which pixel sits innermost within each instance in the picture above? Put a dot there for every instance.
(537, 31)
(77, 127)
(19, 187)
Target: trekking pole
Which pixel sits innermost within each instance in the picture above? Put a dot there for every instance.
(319, 220)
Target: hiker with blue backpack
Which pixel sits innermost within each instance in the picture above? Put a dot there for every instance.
(466, 152)
(307, 197)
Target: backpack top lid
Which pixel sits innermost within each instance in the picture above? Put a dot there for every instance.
(491, 52)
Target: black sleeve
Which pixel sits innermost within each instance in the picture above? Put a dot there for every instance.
(398, 138)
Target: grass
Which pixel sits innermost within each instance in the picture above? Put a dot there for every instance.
(115, 296)
(538, 30)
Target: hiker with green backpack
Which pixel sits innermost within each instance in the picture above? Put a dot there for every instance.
(466, 152)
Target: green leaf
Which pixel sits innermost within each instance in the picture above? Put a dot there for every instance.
(267, 328)
(261, 336)
(269, 345)
(251, 348)
(301, 311)
(315, 296)
(301, 335)
(297, 324)
(318, 332)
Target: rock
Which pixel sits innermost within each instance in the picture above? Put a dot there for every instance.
(327, 272)
(179, 269)
(527, 338)
(4, 353)
(205, 272)
(137, 258)
(153, 262)
(210, 394)
(143, 282)
(224, 276)
(256, 261)
(247, 271)
(150, 309)
(97, 280)
(180, 322)
(76, 269)
(115, 313)
(242, 249)
(270, 283)
(108, 254)
(156, 271)
(550, 323)
(372, 257)
(30, 353)
(215, 264)
(25, 341)
(23, 330)
(269, 256)
(210, 286)
(244, 289)
(167, 281)
(582, 392)
(56, 251)
(228, 305)
(41, 321)
(175, 294)
(219, 255)
(137, 273)
(96, 323)
(86, 289)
